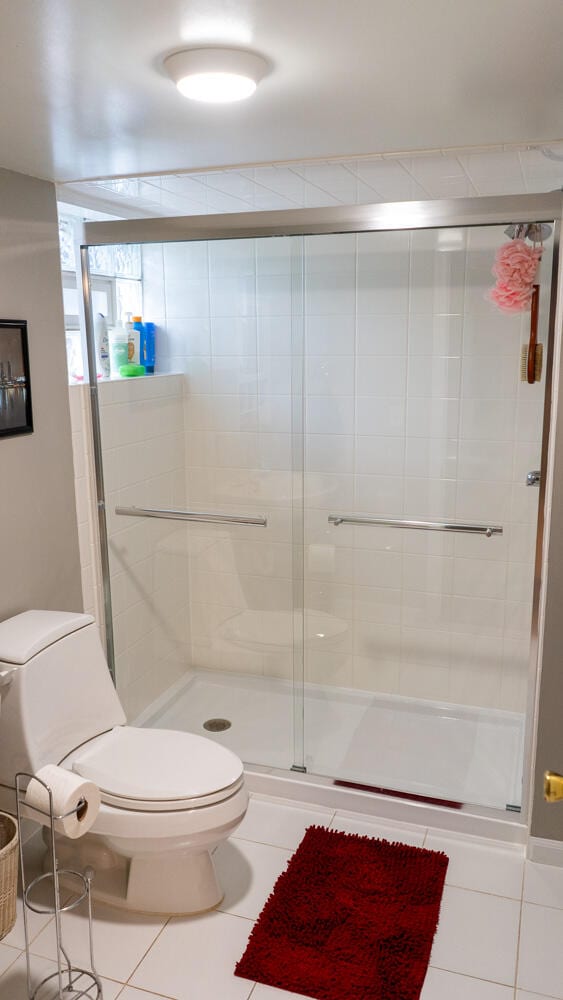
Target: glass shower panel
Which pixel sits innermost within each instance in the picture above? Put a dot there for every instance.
(204, 594)
(417, 641)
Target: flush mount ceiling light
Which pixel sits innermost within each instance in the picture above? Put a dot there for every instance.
(216, 75)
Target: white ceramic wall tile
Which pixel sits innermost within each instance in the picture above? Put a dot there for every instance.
(330, 295)
(326, 376)
(330, 414)
(330, 335)
(435, 335)
(383, 415)
(381, 376)
(433, 376)
(381, 335)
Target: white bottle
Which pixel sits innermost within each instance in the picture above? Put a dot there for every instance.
(102, 345)
(118, 348)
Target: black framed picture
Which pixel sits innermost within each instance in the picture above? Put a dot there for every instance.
(15, 387)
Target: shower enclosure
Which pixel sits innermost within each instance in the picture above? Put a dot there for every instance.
(321, 519)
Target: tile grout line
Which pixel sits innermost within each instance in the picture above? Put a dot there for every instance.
(477, 979)
(149, 993)
(145, 953)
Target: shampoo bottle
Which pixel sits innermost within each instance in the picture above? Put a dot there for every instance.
(148, 347)
(102, 345)
(134, 340)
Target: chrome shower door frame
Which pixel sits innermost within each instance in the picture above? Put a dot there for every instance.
(379, 217)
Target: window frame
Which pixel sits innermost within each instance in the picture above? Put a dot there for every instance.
(98, 283)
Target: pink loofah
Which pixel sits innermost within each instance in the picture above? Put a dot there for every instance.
(511, 299)
(515, 268)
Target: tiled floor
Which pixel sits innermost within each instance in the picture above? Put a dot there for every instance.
(500, 935)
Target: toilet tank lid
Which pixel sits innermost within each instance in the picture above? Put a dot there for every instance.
(25, 635)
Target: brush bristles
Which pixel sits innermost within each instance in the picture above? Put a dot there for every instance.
(538, 363)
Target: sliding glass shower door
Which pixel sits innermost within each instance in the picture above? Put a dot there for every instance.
(203, 469)
(420, 528)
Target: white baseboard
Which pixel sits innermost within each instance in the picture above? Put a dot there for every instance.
(305, 788)
(545, 852)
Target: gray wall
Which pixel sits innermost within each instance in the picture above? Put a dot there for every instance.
(39, 557)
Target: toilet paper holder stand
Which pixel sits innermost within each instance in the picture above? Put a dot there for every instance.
(73, 982)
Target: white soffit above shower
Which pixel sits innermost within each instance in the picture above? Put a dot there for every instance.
(359, 180)
(83, 93)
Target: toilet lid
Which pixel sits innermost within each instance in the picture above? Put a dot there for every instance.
(158, 768)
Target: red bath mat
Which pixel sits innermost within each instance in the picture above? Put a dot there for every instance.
(351, 918)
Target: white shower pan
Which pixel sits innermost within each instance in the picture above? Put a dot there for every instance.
(456, 753)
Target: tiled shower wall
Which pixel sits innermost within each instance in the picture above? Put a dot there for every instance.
(412, 408)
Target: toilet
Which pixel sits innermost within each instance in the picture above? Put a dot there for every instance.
(168, 797)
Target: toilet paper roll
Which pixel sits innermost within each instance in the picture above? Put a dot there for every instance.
(70, 792)
(321, 558)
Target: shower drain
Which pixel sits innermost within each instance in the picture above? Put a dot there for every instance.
(216, 725)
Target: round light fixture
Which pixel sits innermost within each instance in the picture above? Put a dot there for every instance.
(216, 75)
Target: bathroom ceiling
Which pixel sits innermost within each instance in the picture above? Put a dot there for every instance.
(83, 95)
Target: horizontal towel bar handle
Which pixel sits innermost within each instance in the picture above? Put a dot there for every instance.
(393, 522)
(208, 517)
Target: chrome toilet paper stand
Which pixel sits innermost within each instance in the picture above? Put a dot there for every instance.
(73, 983)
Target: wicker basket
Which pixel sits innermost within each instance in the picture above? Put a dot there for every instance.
(8, 872)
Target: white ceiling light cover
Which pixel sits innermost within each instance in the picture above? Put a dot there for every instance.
(216, 75)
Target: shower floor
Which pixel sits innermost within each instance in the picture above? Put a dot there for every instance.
(470, 755)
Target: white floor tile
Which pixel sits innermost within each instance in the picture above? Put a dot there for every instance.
(540, 966)
(280, 823)
(440, 985)
(524, 995)
(406, 833)
(248, 872)
(477, 935)
(194, 959)
(7, 956)
(262, 992)
(13, 984)
(36, 923)
(543, 884)
(120, 939)
(486, 866)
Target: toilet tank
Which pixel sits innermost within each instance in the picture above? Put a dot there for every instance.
(55, 688)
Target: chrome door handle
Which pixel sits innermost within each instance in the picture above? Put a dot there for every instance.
(533, 478)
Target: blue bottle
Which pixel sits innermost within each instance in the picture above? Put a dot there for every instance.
(148, 347)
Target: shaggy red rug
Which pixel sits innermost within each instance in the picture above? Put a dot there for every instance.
(351, 918)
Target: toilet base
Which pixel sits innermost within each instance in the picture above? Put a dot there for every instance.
(181, 884)
(171, 884)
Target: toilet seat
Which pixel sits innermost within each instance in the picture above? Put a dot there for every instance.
(157, 770)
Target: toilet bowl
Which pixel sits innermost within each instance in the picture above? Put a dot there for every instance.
(168, 797)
